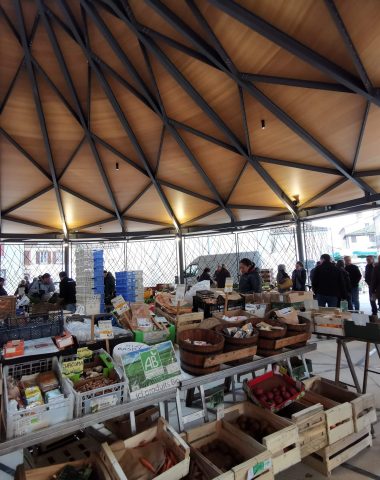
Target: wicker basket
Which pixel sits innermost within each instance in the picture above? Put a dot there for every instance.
(303, 326)
(199, 334)
(242, 342)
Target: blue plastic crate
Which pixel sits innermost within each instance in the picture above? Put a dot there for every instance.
(97, 254)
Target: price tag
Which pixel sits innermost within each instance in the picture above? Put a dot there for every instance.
(216, 400)
(84, 352)
(120, 305)
(180, 294)
(73, 367)
(228, 288)
(105, 329)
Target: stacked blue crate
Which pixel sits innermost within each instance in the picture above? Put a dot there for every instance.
(99, 276)
(129, 285)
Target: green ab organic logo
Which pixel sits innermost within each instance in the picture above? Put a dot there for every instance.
(151, 363)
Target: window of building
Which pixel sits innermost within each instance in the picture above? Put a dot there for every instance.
(43, 257)
(58, 257)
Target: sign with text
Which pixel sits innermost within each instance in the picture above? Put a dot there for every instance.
(105, 329)
(73, 367)
(229, 285)
(151, 370)
(120, 305)
(180, 294)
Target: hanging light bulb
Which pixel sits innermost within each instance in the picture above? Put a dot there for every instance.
(263, 124)
(117, 165)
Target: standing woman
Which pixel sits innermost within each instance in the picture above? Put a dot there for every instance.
(299, 278)
(284, 282)
(375, 283)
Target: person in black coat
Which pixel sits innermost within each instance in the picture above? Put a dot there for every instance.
(250, 279)
(109, 288)
(368, 276)
(220, 276)
(355, 277)
(67, 291)
(328, 283)
(299, 278)
(205, 276)
(3, 292)
(346, 280)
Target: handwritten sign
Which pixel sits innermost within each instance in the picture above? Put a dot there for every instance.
(179, 294)
(73, 367)
(84, 352)
(228, 288)
(105, 329)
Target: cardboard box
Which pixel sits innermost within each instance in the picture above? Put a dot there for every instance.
(295, 297)
(288, 315)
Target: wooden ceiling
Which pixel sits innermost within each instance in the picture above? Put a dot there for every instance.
(152, 116)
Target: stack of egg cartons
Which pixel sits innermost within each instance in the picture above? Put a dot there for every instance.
(90, 280)
(130, 285)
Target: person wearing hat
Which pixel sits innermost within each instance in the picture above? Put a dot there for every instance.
(3, 292)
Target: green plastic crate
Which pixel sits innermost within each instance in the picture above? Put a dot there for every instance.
(158, 336)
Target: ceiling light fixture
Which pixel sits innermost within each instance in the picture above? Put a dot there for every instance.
(263, 124)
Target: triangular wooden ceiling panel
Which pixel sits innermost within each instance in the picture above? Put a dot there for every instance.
(150, 207)
(11, 56)
(213, 219)
(244, 214)
(103, 228)
(277, 140)
(8, 227)
(76, 63)
(297, 19)
(180, 106)
(82, 176)
(64, 132)
(42, 210)
(219, 90)
(141, 227)
(186, 207)
(27, 181)
(362, 21)
(74, 6)
(42, 51)
(332, 118)
(145, 124)
(127, 182)
(78, 212)
(373, 182)
(29, 10)
(252, 190)
(369, 155)
(253, 53)
(221, 166)
(106, 125)
(294, 181)
(344, 192)
(20, 120)
(177, 169)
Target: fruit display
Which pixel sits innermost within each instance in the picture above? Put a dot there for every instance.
(222, 455)
(255, 427)
(273, 391)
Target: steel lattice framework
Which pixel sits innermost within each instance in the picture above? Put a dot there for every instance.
(124, 119)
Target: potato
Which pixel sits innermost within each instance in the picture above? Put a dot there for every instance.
(270, 395)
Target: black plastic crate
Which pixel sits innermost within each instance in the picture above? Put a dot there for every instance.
(369, 332)
(31, 327)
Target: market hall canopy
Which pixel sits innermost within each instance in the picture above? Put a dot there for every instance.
(143, 117)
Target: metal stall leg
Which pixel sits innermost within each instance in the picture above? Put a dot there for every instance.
(179, 410)
(366, 365)
(132, 419)
(338, 360)
(351, 367)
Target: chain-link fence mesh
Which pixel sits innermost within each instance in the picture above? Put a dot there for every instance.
(159, 258)
(32, 259)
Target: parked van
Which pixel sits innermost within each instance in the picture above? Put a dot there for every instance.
(230, 260)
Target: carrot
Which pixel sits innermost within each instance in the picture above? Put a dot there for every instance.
(172, 457)
(169, 464)
(145, 463)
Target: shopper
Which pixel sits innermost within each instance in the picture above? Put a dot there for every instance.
(284, 282)
(299, 277)
(67, 291)
(109, 288)
(328, 284)
(346, 295)
(220, 276)
(23, 285)
(3, 292)
(313, 270)
(42, 286)
(375, 282)
(355, 276)
(205, 275)
(368, 276)
(250, 279)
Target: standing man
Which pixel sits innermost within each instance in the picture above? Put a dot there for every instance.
(368, 276)
(109, 289)
(355, 277)
(328, 283)
(67, 291)
(3, 292)
(220, 276)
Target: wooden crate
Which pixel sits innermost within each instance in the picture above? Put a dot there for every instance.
(363, 405)
(278, 343)
(185, 321)
(311, 425)
(258, 462)
(47, 473)
(199, 463)
(283, 444)
(339, 417)
(111, 454)
(121, 426)
(330, 457)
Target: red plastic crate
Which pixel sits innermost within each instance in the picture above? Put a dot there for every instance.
(270, 380)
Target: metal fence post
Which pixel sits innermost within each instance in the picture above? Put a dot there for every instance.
(300, 243)
(179, 241)
(66, 258)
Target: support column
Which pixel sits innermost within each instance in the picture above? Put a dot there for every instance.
(181, 268)
(300, 241)
(66, 256)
